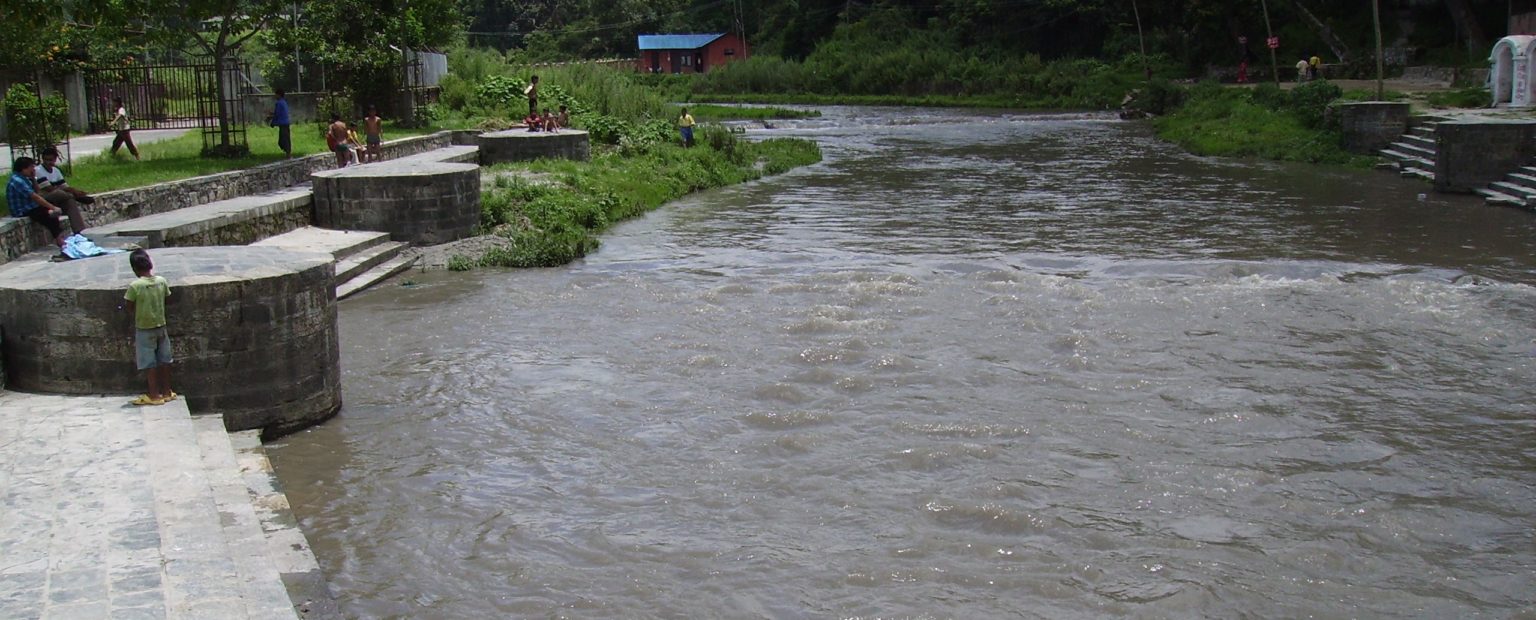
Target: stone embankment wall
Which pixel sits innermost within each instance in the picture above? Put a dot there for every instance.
(418, 203)
(18, 237)
(1472, 154)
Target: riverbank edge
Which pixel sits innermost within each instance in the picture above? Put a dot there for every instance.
(549, 213)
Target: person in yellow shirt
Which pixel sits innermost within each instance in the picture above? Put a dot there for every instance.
(1314, 67)
(685, 126)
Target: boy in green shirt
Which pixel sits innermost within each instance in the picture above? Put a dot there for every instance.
(146, 301)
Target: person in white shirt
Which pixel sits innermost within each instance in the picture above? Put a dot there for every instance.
(51, 185)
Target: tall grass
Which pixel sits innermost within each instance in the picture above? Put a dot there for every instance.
(1263, 122)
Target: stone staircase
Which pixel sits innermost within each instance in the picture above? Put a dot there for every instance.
(363, 258)
(1414, 155)
(120, 511)
(1518, 189)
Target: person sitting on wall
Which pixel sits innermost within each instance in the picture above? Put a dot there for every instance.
(24, 201)
(50, 183)
(550, 124)
(533, 121)
(563, 119)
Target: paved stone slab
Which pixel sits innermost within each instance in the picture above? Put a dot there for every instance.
(201, 224)
(338, 243)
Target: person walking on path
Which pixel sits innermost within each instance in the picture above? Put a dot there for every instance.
(145, 300)
(685, 125)
(1301, 70)
(1313, 67)
(532, 93)
(1244, 60)
(50, 183)
(336, 138)
(123, 125)
(373, 131)
(23, 200)
(283, 123)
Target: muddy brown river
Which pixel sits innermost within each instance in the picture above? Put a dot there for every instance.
(972, 365)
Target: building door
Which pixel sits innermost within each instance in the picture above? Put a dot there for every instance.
(677, 61)
(698, 62)
(655, 62)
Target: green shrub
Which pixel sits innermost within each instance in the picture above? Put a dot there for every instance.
(34, 123)
(1309, 101)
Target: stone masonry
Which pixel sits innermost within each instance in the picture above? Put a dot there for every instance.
(1473, 153)
(421, 203)
(1371, 126)
(253, 331)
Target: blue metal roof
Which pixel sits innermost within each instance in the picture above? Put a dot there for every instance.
(676, 41)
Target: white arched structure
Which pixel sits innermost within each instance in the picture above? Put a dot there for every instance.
(1511, 78)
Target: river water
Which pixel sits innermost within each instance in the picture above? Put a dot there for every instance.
(971, 366)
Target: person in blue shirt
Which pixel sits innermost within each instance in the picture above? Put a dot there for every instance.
(281, 122)
(24, 201)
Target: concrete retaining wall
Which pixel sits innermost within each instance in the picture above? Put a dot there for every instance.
(253, 332)
(1371, 126)
(1472, 154)
(421, 203)
(522, 145)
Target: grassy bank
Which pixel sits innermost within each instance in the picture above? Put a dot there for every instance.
(558, 218)
(181, 158)
(1263, 122)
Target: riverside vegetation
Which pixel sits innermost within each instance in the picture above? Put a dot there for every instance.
(637, 164)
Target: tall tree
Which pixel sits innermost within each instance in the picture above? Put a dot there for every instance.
(1466, 23)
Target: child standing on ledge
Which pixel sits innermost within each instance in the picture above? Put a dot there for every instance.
(152, 345)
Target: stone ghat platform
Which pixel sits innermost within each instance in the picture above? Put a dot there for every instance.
(499, 147)
(417, 202)
(253, 331)
(114, 511)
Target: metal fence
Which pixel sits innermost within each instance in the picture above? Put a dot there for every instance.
(171, 96)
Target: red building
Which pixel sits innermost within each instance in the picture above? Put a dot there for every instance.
(689, 53)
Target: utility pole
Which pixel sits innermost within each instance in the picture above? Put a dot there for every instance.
(1146, 67)
(1274, 63)
(1380, 71)
(298, 67)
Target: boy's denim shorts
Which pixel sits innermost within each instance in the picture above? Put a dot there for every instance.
(152, 347)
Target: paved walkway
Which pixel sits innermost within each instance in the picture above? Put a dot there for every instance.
(81, 146)
(110, 511)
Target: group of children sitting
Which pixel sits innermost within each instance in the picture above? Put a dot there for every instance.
(547, 121)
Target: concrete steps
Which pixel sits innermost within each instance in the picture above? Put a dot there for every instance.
(287, 547)
(1414, 154)
(357, 253)
(261, 585)
(1518, 189)
(214, 553)
(375, 275)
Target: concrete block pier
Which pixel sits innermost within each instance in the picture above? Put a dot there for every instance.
(253, 332)
(418, 202)
(501, 147)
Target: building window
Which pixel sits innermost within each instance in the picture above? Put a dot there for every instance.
(730, 52)
(688, 60)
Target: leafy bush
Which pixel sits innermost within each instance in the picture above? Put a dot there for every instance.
(1309, 102)
(35, 123)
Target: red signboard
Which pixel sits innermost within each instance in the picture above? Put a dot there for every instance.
(1274, 43)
